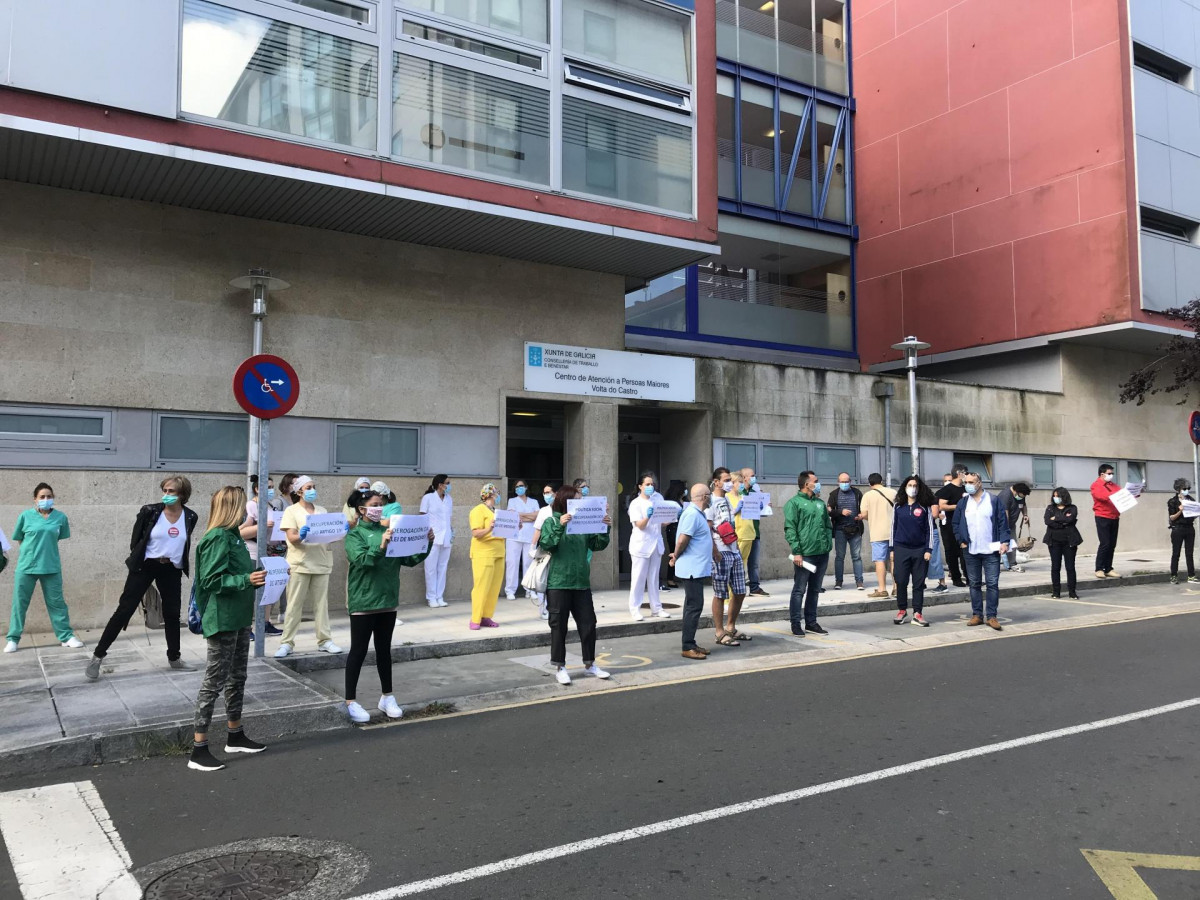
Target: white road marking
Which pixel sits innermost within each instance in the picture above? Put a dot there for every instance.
(63, 845)
(722, 812)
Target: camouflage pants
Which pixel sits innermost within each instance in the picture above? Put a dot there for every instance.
(228, 652)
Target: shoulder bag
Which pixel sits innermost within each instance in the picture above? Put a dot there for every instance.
(152, 608)
(537, 572)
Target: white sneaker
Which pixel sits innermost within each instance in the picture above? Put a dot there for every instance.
(544, 612)
(284, 650)
(10, 647)
(357, 713)
(331, 647)
(73, 643)
(596, 672)
(562, 676)
(663, 614)
(433, 604)
(442, 603)
(389, 707)
(510, 596)
(636, 616)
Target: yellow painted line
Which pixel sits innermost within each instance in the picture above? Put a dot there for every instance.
(606, 659)
(1090, 603)
(1118, 870)
(779, 667)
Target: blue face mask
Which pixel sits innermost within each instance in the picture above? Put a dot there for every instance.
(45, 504)
(169, 499)
(521, 491)
(270, 493)
(310, 495)
(753, 481)
(648, 490)
(583, 491)
(549, 498)
(843, 487)
(817, 488)
(446, 485)
(970, 488)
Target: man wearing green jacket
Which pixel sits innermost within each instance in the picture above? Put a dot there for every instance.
(809, 534)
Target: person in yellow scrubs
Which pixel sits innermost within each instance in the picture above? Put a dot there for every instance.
(487, 560)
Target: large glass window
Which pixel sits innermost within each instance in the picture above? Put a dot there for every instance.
(263, 73)
(524, 18)
(1043, 472)
(727, 158)
(740, 456)
(381, 446)
(803, 40)
(202, 439)
(784, 460)
(16, 423)
(758, 144)
(620, 154)
(830, 462)
(661, 304)
(461, 118)
(631, 34)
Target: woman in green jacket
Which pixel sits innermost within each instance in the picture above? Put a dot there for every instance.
(225, 583)
(569, 585)
(373, 596)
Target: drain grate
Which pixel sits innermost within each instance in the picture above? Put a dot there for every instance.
(262, 875)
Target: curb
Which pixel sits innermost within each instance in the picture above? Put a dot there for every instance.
(444, 649)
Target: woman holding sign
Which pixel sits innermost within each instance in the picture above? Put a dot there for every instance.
(487, 560)
(569, 585)
(310, 565)
(1183, 531)
(373, 596)
(645, 550)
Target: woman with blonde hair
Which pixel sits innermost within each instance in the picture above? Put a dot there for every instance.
(225, 584)
(487, 560)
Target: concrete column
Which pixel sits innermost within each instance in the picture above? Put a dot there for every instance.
(686, 451)
(591, 453)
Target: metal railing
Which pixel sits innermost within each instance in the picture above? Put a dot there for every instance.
(798, 52)
(765, 293)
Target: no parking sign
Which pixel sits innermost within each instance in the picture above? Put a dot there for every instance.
(266, 386)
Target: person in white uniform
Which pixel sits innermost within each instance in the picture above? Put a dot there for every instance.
(517, 553)
(645, 550)
(438, 505)
(542, 515)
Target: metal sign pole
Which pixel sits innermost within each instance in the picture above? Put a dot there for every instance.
(264, 531)
(1195, 467)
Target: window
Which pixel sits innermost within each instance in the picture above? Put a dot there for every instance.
(830, 462)
(221, 440)
(1161, 65)
(1135, 472)
(30, 427)
(980, 465)
(784, 460)
(1177, 228)
(358, 14)
(632, 34)
(378, 447)
(469, 120)
(631, 157)
(803, 40)
(524, 18)
(741, 456)
(906, 466)
(599, 35)
(1043, 472)
(252, 71)
(661, 304)
(446, 38)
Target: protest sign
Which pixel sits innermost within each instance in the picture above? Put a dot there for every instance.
(1123, 500)
(754, 505)
(587, 515)
(326, 528)
(665, 512)
(410, 535)
(508, 523)
(276, 568)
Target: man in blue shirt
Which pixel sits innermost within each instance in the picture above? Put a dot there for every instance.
(693, 561)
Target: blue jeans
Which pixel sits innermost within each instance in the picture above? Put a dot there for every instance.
(806, 591)
(981, 566)
(752, 567)
(840, 540)
(937, 567)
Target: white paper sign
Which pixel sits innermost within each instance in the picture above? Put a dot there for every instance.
(277, 535)
(326, 528)
(1135, 489)
(1191, 509)
(507, 525)
(1123, 500)
(994, 546)
(805, 564)
(665, 512)
(410, 535)
(587, 515)
(276, 568)
(5, 543)
(754, 505)
(559, 369)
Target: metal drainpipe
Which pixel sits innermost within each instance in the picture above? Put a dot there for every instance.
(885, 390)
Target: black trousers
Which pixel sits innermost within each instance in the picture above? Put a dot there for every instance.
(693, 608)
(168, 580)
(953, 553)
(1060, 553)
(563, 605)
(910, 564)
(363, 628)
(1106, 534)
(1183, 538)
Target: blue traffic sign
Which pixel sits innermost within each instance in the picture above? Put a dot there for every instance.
(1194, 427)
(266, 386)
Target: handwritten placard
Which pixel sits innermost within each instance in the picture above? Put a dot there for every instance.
(1123, 500)
(1191, 509)
(276, 568)
(326, 528)
(587, 515)
(665, 512)
(507, 525)
(754, 505)
(410, 535)
(1135, 488)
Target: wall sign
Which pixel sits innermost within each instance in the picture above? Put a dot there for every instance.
(559, 369)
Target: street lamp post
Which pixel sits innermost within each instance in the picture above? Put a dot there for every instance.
(911, 347)
(259, 282)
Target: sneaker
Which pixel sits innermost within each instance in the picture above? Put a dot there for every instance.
(663, 589)
(10, 647)
(919, 619)
(759, 592)
(92, 672)
(489, 623)
(901, 617)
(859, 586)
(202, 760)
(180, 666)
(73, 643)
(662, 614)
(1174, 579)
(1018, 569)
(433, 604)
(562, 676)
(837, 586)
(814, 628)
(636, 616)
(237, 742)
(1055, 596)
(596, 672)
(357, 713)
(442, 603)
(1193, 579)
(284, 650)
(271, 629)
(510, 596)
(1073, 596)
(389, 707)
(939, 589)
(330, 646)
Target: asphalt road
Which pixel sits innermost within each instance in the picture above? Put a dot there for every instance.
(444, 795)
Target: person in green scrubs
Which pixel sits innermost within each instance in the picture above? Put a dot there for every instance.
(39, 530)
(373, 596)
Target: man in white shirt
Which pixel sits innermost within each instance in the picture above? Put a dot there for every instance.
(516, 553)
(981, 529)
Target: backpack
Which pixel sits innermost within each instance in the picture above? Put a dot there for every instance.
(195, 623)
(152, 608)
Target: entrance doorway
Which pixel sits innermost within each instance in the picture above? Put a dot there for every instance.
(535, 443)
(640, 448)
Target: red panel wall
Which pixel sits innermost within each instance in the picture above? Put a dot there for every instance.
(994, 170)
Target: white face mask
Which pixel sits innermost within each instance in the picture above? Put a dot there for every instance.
(1108, 476)
(911, 490)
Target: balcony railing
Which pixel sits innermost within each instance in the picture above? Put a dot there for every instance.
(774, 312)
(765, 42)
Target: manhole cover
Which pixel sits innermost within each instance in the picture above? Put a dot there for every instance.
(260, 875)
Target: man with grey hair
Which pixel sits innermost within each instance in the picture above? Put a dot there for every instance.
(981, 531)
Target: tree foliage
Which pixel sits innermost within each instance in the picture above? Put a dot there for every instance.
(1177, 369)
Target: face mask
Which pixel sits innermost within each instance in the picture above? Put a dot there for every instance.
(753, 481)
(374, 513)
(1184, 492)
(911, 490)
(549, 498)
(1058, 501)
(45, 504)
(310, 495)
(447, 487)
(521, 491)
(816, 488)
(843, 485)
(1108, 476)
(744, 489)
(648, 490)
(583, 491)
(169, 499)
(270, 493)
(727, 486)
(970, 488)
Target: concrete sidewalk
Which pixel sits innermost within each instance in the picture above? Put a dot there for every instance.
(55, 718)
